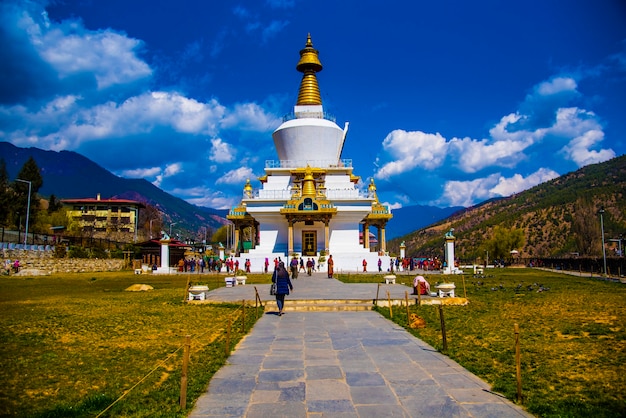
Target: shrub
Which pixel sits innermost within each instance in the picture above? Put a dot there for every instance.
(78, 252)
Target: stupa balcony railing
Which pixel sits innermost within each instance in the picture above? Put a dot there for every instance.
(311, 163)
(325, 115)
(287, 194)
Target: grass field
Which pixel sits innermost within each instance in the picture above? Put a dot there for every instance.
(71, 345)
(572, 338)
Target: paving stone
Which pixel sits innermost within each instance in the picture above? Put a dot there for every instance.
(364, 379)
(323, 372)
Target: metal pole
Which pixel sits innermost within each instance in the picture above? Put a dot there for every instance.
(136, 210)
(601, 212)
(27, 207)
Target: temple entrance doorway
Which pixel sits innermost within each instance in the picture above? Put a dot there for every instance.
(309, 243)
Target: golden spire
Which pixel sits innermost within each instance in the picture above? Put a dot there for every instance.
(371, 189)
(309, 64)
(247, 189)
(308, 184)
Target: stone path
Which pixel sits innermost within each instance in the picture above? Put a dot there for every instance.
(342, 364)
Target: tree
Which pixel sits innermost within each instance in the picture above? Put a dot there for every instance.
(586, 227)
(220, 235)
(6, 202)
(29, 172)
(54, 204)
(503, 241)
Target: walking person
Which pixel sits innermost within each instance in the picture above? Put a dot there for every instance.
(293, 265)
(283, 286)
(331, 265)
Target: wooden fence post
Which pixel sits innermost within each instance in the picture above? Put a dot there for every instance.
(443, 328)
(243, 316)
(406, 299)
(183, 376)
(227, 346)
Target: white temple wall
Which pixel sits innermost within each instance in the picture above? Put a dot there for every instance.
(297, 135)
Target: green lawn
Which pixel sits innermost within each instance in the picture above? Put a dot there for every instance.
(70, 345)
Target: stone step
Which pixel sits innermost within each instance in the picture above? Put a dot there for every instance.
(321, 305)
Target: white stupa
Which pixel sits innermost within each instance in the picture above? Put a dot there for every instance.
(309, 201)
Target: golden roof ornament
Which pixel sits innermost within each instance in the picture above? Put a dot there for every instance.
(308, 183)
(371, 189)
(309, 64)
(247, 189)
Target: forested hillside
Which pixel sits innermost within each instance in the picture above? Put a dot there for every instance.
(557, 218)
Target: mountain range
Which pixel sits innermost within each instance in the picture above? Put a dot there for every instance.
(67, 174)
(563, 217)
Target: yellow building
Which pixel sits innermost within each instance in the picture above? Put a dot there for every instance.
(115, 219)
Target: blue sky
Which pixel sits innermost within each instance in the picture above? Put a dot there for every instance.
(449, 102)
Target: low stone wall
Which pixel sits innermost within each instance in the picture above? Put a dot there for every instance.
(44, 262)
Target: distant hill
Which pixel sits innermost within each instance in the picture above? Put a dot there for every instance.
(411, 218)
(67, 174)
(559, 217)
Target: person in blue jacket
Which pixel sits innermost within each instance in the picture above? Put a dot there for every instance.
(283, 285)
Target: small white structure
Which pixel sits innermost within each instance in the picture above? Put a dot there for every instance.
(240, 280)
(445, 290)
(198, 292)
(230, 281)
(450, 267)
(165, 256)
(390, 279)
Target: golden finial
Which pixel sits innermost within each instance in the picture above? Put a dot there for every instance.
(371, 189)
(309, 64)
(247, 189)
(308, 184)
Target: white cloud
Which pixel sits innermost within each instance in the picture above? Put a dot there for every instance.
(237, 176)
(472, 155)
(579, 149)
(467, 193)
(518, 183)
(69, 125)
(170, 170)
(221, 152)
(141, 173)
(72, 49)
(251, 117)
(393, 206)
(173, 169)
(556, 85)
(411, 150)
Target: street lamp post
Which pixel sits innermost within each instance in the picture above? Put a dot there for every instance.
(27, 207)
(155, 219)
(601, 212)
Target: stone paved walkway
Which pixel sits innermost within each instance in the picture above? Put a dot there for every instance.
(342, 364)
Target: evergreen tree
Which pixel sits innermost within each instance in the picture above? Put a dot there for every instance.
(54, 204)
(6, 203)
(29, 172)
